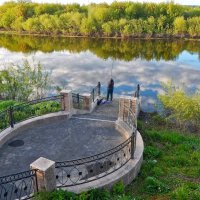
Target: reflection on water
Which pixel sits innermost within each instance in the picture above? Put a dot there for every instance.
(80, 63)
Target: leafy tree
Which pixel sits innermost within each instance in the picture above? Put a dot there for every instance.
(32, 25)
(7, 19)
(18, 24)
(107, 29)
(161, 24)
(23, 82)
(180, 25)
(116, 19)
(194, 26)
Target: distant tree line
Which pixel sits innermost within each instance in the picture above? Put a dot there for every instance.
(119, 19)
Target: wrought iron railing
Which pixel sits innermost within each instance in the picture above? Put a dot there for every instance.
(18, 186)
(76, 172)
(129, 117)
(84, 170)
(23, 111)
(78, 101)
(4, 119)
(96, 91)
(137, 92)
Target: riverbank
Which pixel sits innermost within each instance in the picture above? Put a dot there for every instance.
(140, 36)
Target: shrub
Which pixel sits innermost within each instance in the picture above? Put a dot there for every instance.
(154, 186)
(181, 193)
(151, 152)
(55, 195)
(6, 104)
(118, 188)
(123, 197)
(181, 108)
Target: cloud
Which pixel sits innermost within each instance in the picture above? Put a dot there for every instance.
(82, 71)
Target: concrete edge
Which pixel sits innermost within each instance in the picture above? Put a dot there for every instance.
(123, 128)
(8, 133)
(127, 173)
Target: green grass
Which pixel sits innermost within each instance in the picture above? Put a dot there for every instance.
(171, 167)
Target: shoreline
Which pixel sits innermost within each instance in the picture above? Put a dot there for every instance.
(142, 36)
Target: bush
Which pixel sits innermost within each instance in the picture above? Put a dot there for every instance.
(99, 194)
(151, 152)
(181, 108)
(56, 195)
(6, 104)
(181, 193)
(154, 186)
(118, 188)
(123, 197)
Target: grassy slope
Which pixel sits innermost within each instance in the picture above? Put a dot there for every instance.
(171, 168)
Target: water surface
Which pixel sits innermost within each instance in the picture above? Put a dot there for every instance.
(79, 63)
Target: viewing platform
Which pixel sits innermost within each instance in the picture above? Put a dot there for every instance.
(79, 146)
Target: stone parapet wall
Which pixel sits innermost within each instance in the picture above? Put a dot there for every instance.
(130, 102)
(87, 103)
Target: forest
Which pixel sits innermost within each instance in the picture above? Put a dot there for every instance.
(119, 19)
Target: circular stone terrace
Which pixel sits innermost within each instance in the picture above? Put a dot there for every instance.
(60, 140)
(84, 147)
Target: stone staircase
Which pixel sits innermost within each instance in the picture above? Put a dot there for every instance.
(107, 111)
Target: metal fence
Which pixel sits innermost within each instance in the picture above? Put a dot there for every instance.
(78, 101)
(129, 117)
(76, 172)
(18, 186)
(4, 119)
(80, 171)
(23, 111)
(96, 91)
(137, 92)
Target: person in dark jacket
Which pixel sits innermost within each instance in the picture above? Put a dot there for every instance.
(110, 89)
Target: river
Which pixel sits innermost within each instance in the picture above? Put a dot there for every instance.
(79, 63)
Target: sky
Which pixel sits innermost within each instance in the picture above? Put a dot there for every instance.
(185, 2)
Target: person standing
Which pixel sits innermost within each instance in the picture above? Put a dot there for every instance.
(110, 89)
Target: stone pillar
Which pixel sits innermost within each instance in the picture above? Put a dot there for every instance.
(87, 103)
(67, 103)
(129, 102)
(46, 178)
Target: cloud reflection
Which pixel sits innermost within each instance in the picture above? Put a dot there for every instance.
(81, 71)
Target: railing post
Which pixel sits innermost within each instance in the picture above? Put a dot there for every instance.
(78, 100)
(45, 174)
(138, 90)
(11, 117)
(132, 145)
(99, 88)
(93, 94)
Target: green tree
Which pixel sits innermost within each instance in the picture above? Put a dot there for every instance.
(180, 25)
(23, 82)
(161, 24)
(18, 24)
(194, 26)
(7, 19)
(32, 25)
(107, 29)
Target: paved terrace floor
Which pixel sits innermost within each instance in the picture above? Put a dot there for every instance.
(66, 139)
